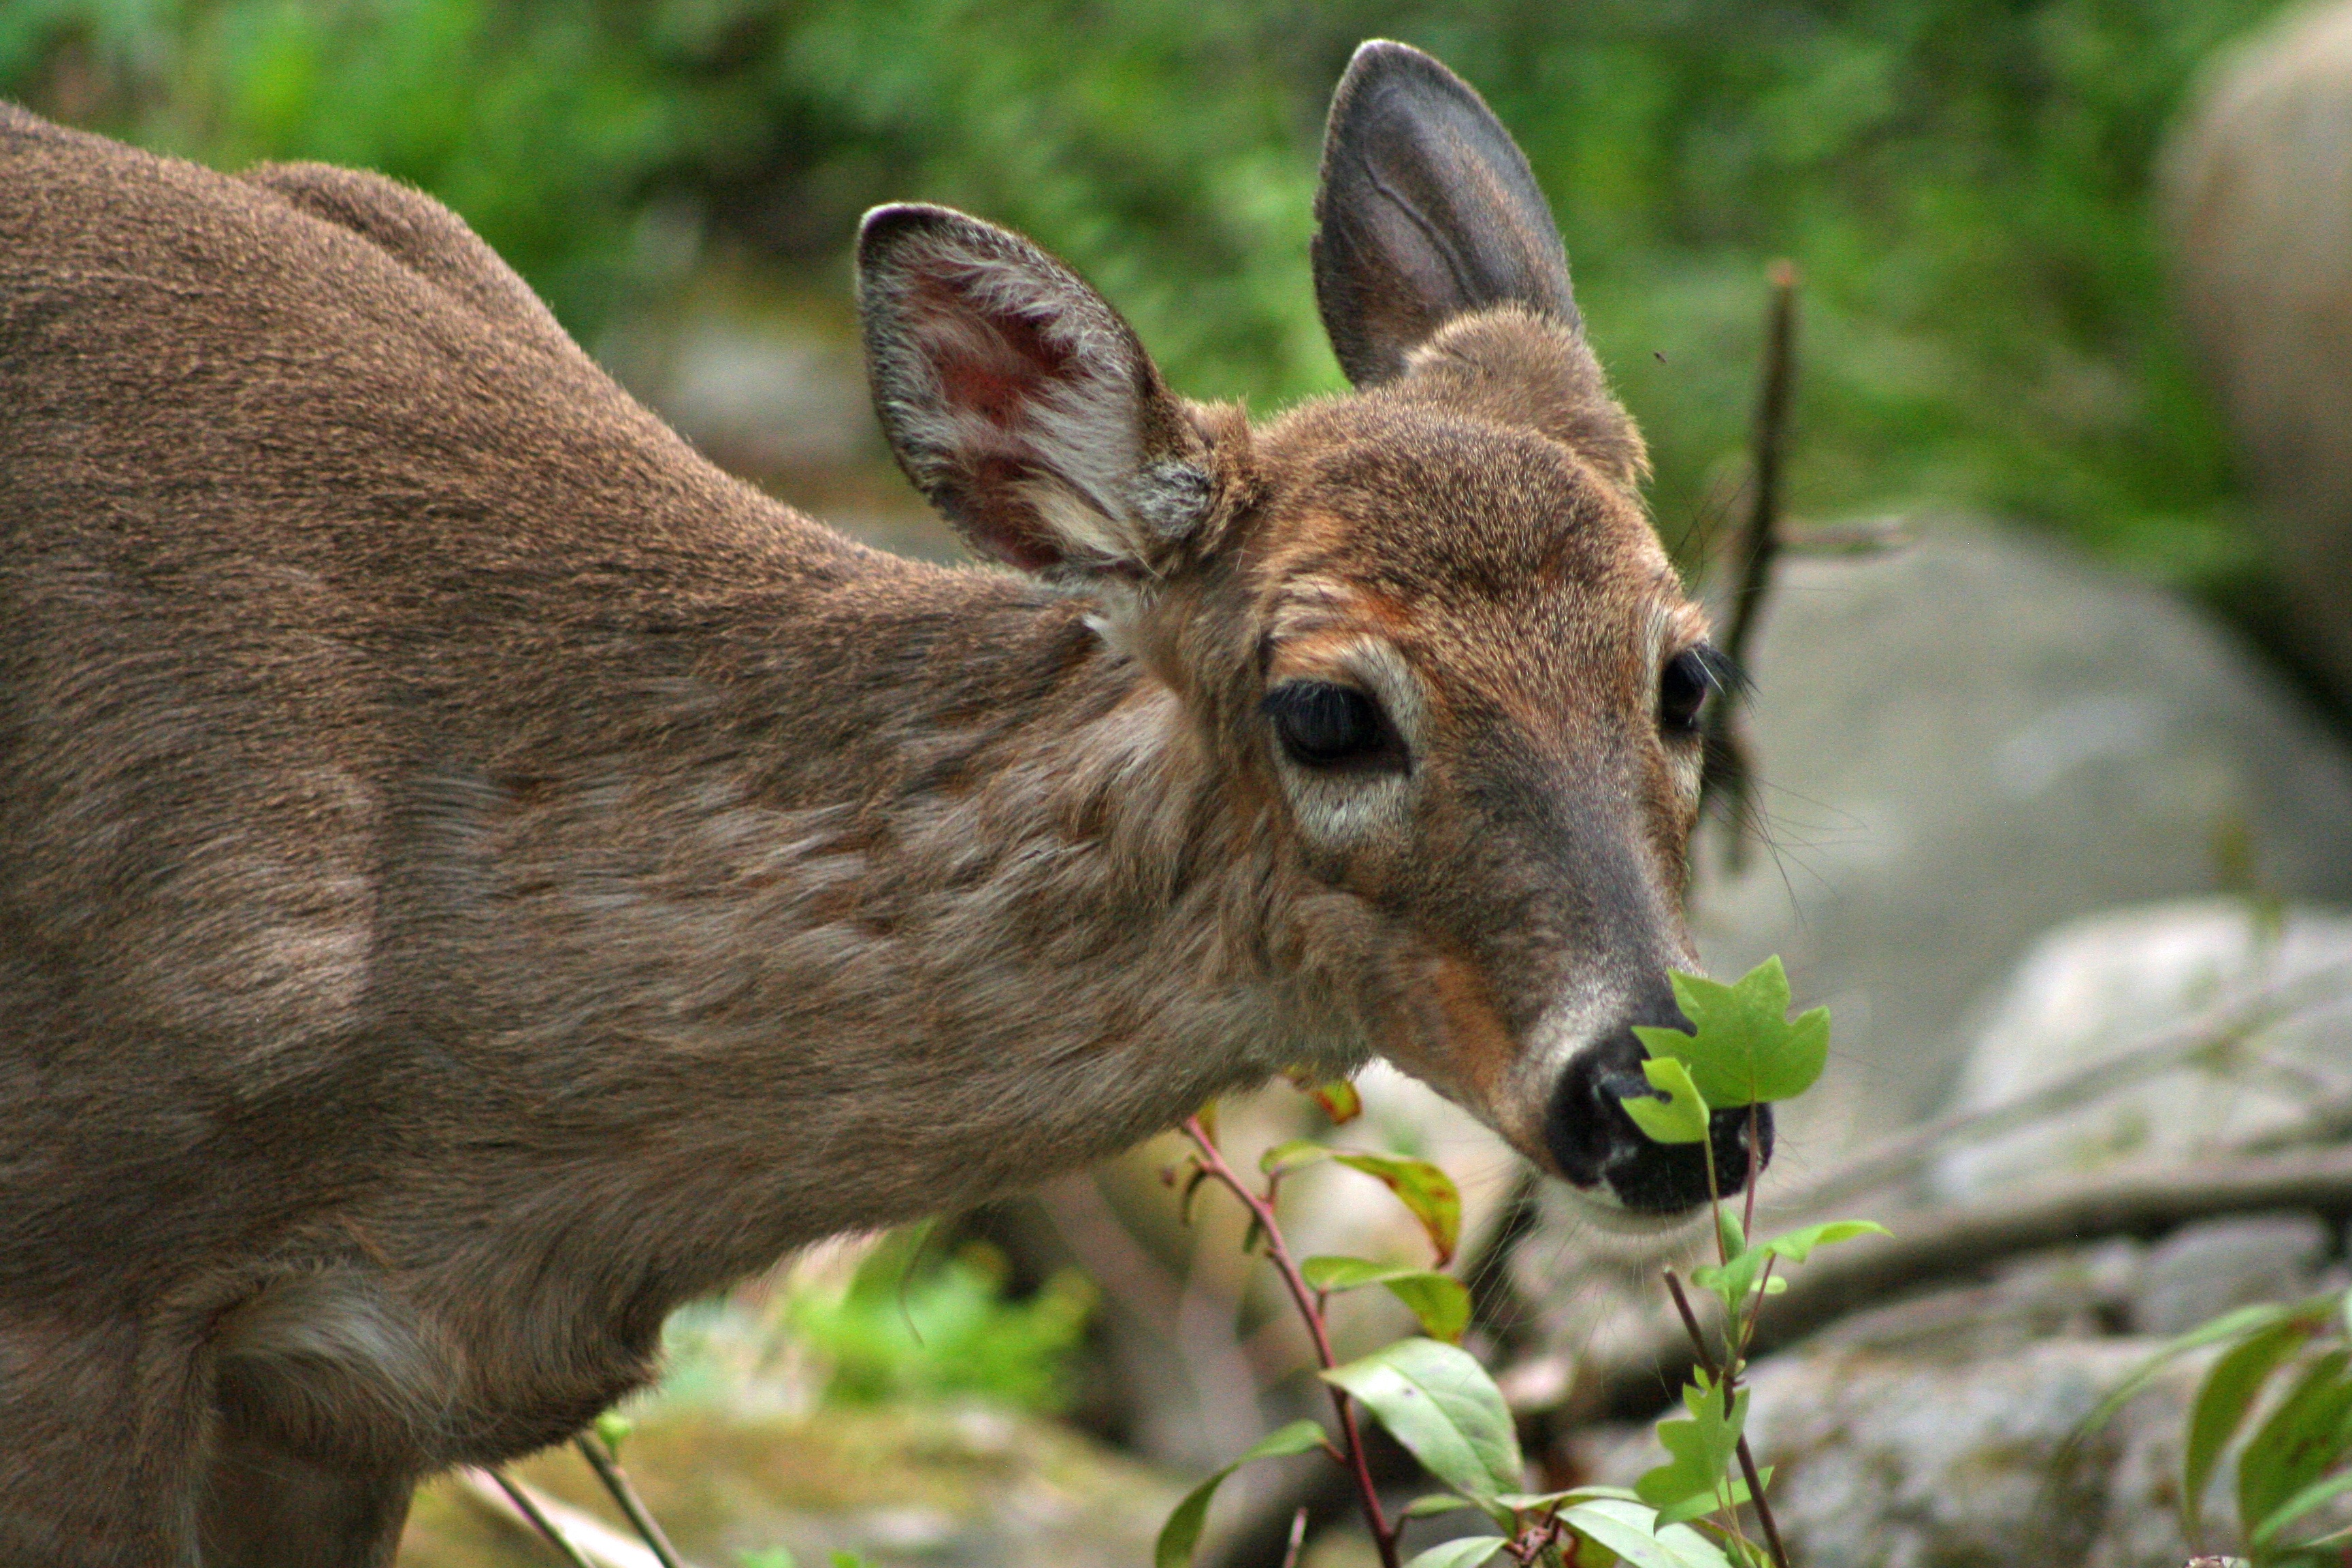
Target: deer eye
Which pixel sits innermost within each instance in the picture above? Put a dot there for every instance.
(1682, 688)
(1328, 726)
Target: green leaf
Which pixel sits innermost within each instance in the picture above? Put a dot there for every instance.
(1441, 1301)
(2223, 1402)
(1337, 1096)
(1183, 1530)
(2228, 1326)
(1696, 1478)
(847, 1560)
(1634, 1533)
(1681, 1117)
(1422, 1187)
(612, 1430)
(1536, 1502)
(1436, 1504)
(772, 1557)
(1735, 1280)
(1293, 1153)
(1744, 1048)
(2304, 1436)
(1440, 1403)
(1462, 1552)
(2266, 1534)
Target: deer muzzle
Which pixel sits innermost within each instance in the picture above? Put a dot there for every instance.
(1601, 1153)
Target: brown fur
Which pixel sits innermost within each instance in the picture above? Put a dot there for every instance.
(473, 876)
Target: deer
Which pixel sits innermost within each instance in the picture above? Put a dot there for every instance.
(474, 877)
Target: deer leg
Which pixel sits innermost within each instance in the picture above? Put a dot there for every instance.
(99, 1430)
(265, 1508)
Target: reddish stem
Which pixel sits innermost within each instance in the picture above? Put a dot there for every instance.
(1730, 1385)
(1278, 1252)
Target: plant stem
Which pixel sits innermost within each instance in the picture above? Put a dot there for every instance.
(1384, 1537)
(1730, 1389)
(1298, 1540)
(616, 1481)
(529, 1508)
(1755, 1169)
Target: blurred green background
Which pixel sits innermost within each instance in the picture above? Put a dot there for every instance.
(1964, 185)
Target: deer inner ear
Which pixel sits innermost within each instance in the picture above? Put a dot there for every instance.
(1020, 401)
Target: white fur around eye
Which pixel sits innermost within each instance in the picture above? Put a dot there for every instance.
(1338, 809)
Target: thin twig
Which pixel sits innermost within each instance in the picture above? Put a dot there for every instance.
(528, 1506)
(1297, 1539)
(1753, 553)
(1760, 540)
(616, 1481)
(1384, 1537)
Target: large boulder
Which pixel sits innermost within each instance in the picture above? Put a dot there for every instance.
(2108, 982)
(1965, 743)
(2259, 203)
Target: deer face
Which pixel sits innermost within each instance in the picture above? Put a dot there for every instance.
(1426, 628)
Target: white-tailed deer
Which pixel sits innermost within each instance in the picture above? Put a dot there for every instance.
(472, 875)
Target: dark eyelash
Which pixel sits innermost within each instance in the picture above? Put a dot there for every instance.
(1724, 675)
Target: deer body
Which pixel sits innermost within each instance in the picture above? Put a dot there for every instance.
(473, 876)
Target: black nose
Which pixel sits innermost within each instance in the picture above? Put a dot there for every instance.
(1596, 1144)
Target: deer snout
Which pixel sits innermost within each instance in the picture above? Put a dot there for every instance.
(1607, 1159)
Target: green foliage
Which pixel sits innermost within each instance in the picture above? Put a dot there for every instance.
(1695, 1477)
(2228, 1392)
(1739, 1280)
(1742, 1048)
(1429, 1192)
(1441, 1301)
(904, 1329)
(1462, 1552)
(1682, 1116)
(1963, 187)
(1636, 1535)
(1183, 1530)
(2287, 1371)
(1438, 1401)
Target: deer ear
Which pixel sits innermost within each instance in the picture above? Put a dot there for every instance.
(1020, 401)
(1427, 210)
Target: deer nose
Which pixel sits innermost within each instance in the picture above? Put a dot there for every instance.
(1599, 1149)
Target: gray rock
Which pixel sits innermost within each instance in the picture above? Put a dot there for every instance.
(2259, 188)
(2101, 985)
(1885, 1461)
(2201, 1271)
(1968, 742)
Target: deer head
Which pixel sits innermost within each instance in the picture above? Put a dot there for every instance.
(1424, 630)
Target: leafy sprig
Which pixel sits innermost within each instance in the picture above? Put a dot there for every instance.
(2290, 1364)
(1742, 1050)
(1436, 1399)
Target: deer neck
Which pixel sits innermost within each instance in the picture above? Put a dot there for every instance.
(915, 890)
